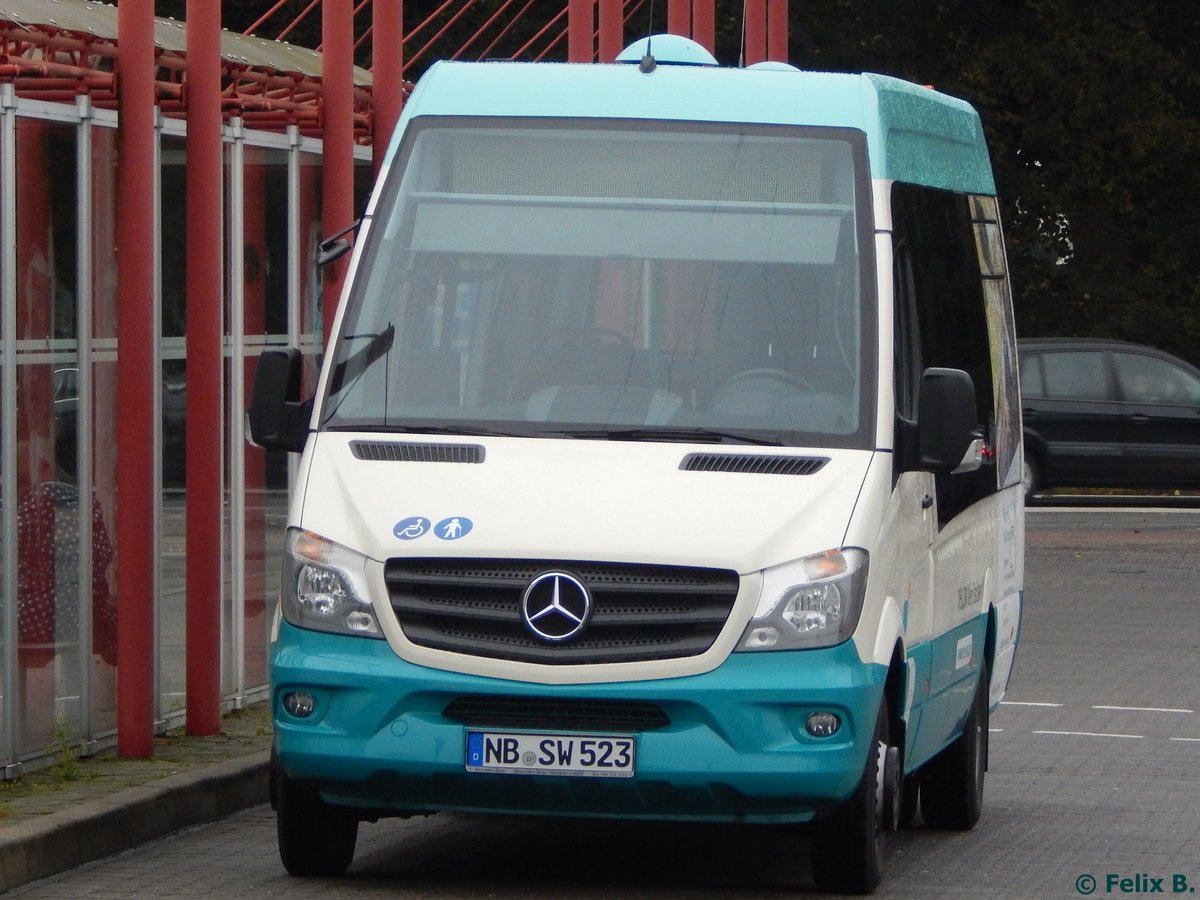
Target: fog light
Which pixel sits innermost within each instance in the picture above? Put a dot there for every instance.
(823, 724)
(764, 636)
(361, 622)
(299, 704)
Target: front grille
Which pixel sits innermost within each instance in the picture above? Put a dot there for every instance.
(556, 714)
(640, 612)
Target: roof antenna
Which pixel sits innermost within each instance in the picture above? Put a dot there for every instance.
(648, 64)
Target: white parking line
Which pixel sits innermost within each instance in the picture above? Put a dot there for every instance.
(1021, 703)
(1165, 710)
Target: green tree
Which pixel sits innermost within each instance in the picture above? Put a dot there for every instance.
(1090, 107)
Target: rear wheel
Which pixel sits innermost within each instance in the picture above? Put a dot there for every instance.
(314, 837)
(1031, 475)
(909, 797)
(847, 852)
(952, 782)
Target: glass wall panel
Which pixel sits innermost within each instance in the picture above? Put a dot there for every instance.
(8, 597)
(105, 411)
(308, 210)
(47, 490)
(8, 593)
(231, 162)
(364, 178)
(265, 264)
(173, 279)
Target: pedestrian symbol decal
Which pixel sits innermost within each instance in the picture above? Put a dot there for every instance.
(453, 528)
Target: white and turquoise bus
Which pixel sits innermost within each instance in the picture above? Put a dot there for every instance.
(666, 463)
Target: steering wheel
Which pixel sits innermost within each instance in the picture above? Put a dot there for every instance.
(763, 378)
(757, 392)
(584, 336)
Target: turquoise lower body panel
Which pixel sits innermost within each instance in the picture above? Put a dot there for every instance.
(734, 748)
(951, 664)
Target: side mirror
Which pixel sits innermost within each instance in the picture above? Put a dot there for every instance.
(278, 419)
(948, 438)
(331, 251)
(335, 246)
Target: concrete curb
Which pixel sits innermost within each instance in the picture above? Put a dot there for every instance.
(63, 840)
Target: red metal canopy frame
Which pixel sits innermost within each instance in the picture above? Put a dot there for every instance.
(47, 62)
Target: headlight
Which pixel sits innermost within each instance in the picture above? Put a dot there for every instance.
(325, 586)
(812, 602)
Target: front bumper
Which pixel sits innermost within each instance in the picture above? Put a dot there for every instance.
(735, 748)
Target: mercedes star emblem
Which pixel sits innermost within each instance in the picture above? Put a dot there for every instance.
(556, 606)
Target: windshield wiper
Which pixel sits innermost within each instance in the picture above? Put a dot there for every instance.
(698, 435)
(468, 430)
(348, 370)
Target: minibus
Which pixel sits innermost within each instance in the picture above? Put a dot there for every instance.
(665, 463)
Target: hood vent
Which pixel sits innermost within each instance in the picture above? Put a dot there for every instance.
(408, 451)
(753, 464)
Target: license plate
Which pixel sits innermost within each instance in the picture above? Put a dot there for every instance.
(594, 755)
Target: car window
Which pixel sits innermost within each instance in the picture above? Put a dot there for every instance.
(1031, 376)
(1148, 379)
(1075, 375)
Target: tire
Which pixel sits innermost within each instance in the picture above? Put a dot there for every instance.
(1031, 475)
(847, 851)
(315, 839)
(910, 795)
(952, 782)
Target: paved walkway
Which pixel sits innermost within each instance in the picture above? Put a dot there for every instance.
(85, 809)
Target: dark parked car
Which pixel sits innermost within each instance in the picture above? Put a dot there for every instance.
(1108, 414)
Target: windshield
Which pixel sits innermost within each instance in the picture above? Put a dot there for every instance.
(609, 280)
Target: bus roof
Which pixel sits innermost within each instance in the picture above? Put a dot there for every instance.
(914, 134)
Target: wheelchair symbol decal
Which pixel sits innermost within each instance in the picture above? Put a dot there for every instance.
(411, 528)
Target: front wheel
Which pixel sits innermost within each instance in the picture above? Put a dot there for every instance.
(315, 839)
(847, 852)
(952, 782)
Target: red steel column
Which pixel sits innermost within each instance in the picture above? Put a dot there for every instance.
(205, 449)
(580, 29)
(136, 377)
(777, 30)
(704, 24)
(756, 32)
(612, 30)
(337, 37)
(387, 74)
(679, 17)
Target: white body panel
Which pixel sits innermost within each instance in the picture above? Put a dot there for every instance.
(572, 500)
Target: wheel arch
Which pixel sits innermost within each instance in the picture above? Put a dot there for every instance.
(896, 691)
(989, 642)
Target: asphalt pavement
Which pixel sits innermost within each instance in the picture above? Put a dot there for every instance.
(84, 809)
